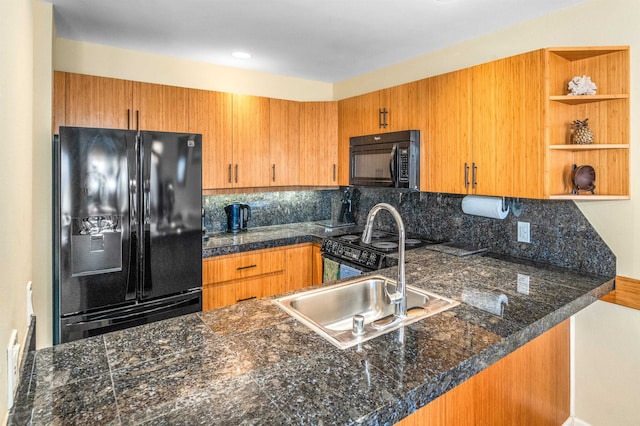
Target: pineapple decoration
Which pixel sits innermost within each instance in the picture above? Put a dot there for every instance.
(581, 132)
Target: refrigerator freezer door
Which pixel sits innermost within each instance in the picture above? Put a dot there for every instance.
(95, 170)
(92, 324)
(171, 213)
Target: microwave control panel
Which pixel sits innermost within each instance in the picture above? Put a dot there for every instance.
(403, 160)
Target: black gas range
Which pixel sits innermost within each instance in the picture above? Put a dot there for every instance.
(350, 250)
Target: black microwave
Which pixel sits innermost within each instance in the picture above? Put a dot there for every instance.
(386, 160)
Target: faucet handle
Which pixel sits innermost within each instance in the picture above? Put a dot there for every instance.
(395, 297)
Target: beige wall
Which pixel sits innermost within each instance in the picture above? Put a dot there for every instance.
(41, 222)
(16, 86)
(95, 59)
(607, 364)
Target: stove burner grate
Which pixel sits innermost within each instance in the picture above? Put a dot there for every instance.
(385, 245)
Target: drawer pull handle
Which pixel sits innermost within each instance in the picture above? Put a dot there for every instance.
(240, 268)
(245, 299)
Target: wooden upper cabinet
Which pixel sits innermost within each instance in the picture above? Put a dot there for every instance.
(400, 107)
(446, 141)
(397, 108)
(210, 113)
(507, 130)
(319, 143)
(251, 131)
(91, 101)
(284, 142)
(58, 116)
(161, 108)
(350, 123)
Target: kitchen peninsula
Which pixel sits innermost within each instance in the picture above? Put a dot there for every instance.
(250, 363)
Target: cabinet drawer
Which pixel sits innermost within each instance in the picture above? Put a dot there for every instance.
(242, 265)
(217, 295)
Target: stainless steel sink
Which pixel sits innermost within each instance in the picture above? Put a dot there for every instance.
(330, 311)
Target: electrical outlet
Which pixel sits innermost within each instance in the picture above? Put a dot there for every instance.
(524, 233)
(13, 352)
(523, 284)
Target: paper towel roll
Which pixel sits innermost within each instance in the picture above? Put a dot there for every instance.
(484, 206)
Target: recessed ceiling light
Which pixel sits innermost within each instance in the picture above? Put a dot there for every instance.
(241, 55)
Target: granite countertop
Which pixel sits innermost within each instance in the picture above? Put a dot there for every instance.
(221, 243)
(250, 363)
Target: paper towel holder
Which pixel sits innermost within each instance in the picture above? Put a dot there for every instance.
(514, 204)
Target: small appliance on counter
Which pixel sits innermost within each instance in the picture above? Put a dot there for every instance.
(238, 215)
(346, 208)
(346, 214)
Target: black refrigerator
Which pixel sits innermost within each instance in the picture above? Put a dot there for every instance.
(127, 229)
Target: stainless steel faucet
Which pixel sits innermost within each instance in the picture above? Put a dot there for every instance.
(399, 297)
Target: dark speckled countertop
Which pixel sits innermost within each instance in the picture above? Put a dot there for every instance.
(251, 363)
(222, 243)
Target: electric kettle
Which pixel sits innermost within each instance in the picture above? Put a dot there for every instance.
(238, 215)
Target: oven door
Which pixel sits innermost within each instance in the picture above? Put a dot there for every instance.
(336, 269)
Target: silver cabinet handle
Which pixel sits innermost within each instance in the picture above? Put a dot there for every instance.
(335, 172)
(236, 173)
(474, 175)
(273, 170)
(230, 173)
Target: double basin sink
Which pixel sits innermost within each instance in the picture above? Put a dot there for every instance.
(358, 310)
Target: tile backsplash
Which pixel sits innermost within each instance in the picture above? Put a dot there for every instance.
(560, 234)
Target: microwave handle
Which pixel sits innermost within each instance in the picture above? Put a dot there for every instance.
(392, 164)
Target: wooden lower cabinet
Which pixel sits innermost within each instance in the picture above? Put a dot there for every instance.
(244, 276)
(317, 264)
(530, 386)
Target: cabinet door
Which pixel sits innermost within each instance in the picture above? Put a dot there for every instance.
(446, 142)
(350, 124)
(161, 108)
(401, 104)
(92, 101)
(317, 268)
(250, 141)
(318, 143)
(59, 99)
(298, 270)
(210, 113)
(284, 142)
(508, 144)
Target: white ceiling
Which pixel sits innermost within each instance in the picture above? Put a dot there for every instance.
(322, 40)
